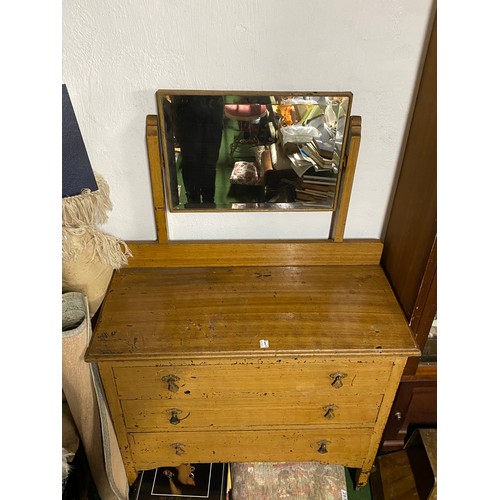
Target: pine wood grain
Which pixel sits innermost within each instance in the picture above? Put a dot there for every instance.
(156, 173)
(243, 413)
(255, 253)
(247, 378)
(339, 218)
(193, 312)
(345, 446)
(188, 338)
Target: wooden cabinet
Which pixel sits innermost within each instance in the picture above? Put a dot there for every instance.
(415, 406)
(410, 257)
(238, 363)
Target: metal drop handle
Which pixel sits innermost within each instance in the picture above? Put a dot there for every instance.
(329, 411)
(322, 446)
(174, 419)
(337, 379)
(179, 448)
(171, 380)
(174, 416)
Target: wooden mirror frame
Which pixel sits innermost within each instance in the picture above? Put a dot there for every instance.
(172, 175)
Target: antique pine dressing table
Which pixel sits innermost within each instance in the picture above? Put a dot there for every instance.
(251, 351)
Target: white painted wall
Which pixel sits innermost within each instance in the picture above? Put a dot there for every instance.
(117, 53)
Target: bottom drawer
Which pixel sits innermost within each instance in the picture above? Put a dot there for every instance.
(347, 447)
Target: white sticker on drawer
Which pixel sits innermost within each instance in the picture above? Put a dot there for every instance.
(264, 344)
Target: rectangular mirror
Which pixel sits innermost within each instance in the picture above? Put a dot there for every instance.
(265, 151)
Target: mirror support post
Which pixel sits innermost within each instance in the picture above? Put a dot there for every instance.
(155, 170)
(157, 182)
(340, 216)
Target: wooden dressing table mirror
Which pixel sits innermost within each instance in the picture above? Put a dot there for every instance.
(250, 351)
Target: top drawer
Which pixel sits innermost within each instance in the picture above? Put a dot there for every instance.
(253, 378)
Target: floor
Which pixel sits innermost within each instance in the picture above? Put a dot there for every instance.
(79, 485)
(88, 492)
(352, 494)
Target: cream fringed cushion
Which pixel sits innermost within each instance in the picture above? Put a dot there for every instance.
(88, 276)
(88, 254)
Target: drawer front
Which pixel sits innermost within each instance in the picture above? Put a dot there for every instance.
(328, 378)
(250, 412)
(347, 447)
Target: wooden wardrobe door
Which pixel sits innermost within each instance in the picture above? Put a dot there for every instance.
(410, 244)
(409, 257)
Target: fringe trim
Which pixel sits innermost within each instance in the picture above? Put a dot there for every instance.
(80, 214)
(89, 207)
(91, 241)
(66, 467)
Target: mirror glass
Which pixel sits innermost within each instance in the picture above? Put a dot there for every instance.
(255, 151)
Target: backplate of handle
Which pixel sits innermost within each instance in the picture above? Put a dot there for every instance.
(170, 381)
(329, 409)
(337, 379)
(179, 448)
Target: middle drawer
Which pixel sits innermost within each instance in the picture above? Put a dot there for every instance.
(150, 415)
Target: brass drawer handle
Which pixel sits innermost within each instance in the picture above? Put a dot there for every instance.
(329, 411)
(179, 448)
(174, 416)
(322, 446)
(171, 380)
(337, 379)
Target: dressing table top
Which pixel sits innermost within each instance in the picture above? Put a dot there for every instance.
(197, 312)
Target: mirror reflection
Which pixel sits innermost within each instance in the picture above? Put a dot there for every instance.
(252, 151)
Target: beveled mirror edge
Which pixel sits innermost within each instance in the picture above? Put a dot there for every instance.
(164, 156)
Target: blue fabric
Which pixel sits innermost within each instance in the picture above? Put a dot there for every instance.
(77, 173)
